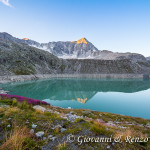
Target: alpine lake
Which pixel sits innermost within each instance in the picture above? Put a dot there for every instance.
(129, 97)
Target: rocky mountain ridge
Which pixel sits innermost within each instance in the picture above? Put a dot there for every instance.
(76, 49)
(148, 58)
(18, 58)
(80, 49)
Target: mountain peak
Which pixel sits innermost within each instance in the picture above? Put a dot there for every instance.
(26, 39)
(82, 40)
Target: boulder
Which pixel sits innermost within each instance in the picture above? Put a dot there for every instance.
(32, 131)
(8, 126)
(53, 138)
(34, 126)
(40, 108)
(63, 129)
(39, 134)
(50, 136)
(86, 112)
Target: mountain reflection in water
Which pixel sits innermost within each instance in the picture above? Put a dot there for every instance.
(127, 97)
(80, 90)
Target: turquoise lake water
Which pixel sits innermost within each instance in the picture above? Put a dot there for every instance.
(127, 97)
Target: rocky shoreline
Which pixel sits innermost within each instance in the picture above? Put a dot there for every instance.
(20, 78)
(3, 91)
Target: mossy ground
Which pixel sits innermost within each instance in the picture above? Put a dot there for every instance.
(16, 121)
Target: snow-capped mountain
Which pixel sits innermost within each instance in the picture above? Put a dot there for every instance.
(75, 49)
(80, 49)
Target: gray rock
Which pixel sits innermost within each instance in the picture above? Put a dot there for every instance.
(73, 117)
(38, 107)
(58, 126)
(4, 92)
(39, 134)
(57, 112)
(63, 129)
(108, 147)
(86, 112)
(53, 138)
(32, 131)
(8, 126)
(122, 127)
(50, 136)
(27, 122)
(44, 138)
(49, 110)
(4, 106)
(64, 117)
(111, 123)
(72, 112)
(118, 122)
(148, 125)
(34, 126)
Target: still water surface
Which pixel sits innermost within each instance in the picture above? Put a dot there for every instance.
(127, 97)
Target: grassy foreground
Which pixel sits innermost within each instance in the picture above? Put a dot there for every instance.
(24, 126)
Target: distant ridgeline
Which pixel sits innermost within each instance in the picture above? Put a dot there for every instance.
(25, 56)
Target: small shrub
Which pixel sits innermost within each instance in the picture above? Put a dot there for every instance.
(80, 120)
(29, 143)
(14, 102)
(24, 105)
(128, 132)
(1, 109)
(74, 130)
(6, 101)
(57, 130)
(47, 113)
(17, 139)
(100, 129)
(62, 146)
(12, 110)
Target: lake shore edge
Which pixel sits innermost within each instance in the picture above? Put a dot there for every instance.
(20, 78)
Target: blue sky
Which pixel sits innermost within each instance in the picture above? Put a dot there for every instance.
(116, 25)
